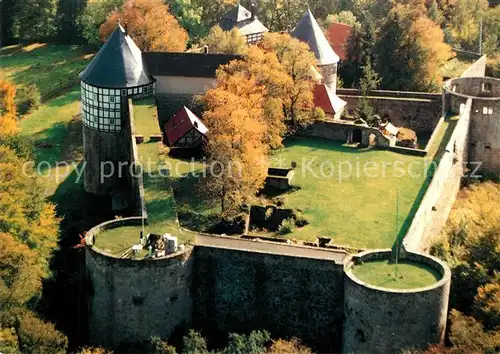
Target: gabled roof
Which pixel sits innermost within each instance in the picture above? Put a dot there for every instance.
(308, 31)
(181, 124)
(325, 99)
(237, 14)
(186, 64)
(118, 64)
(338, 35)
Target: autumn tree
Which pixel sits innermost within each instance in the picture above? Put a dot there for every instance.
(345, 17)
(267, 71)
(234, 117)
(8, 120)
(225, 42)
(410, 50)
(150, 25)
(464, 22)
(297, 60)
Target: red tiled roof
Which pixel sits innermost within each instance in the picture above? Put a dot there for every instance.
(181, 124)
(338, 36)
(325, 99)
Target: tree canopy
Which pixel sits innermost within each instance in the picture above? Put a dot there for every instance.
(225, 42)
(150, 25)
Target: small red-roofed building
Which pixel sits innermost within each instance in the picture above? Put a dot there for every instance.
(329, 102)
(185, 130)
(338, 36)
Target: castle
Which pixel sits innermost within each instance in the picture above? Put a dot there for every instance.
(225, 284)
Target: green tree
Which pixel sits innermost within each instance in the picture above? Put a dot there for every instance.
(491, 31)
(225, 42)
(469, 335)
(189, 17)
(68, 12)
(161, 347)
(369, 81)
(34, 19)
(345, 17)
(93, 16)
(253, 343)
(487, 304)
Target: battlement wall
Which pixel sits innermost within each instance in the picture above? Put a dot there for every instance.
(259, 285)
(442, 190)
(381, 320)
(419, 111)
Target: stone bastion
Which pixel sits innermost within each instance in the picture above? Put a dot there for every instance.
(484, 141)
(224, 284)
(383, 320)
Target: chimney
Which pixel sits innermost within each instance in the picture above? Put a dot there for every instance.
(205, 49)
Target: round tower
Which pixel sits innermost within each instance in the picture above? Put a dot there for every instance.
(390, 317)
(115, 74)
(308, 31)
(484, 133)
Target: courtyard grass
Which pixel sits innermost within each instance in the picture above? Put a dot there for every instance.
(350, 194)
(382, 273)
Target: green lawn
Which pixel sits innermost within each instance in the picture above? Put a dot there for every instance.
(410, 275)
(355, 208)
(47, 66)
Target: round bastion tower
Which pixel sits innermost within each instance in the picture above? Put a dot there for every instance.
(484, 133)
(308, 31)
(115, 74)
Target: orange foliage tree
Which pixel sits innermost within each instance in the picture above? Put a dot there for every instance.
(150, 25)
(235, 118)
(298, 61)
(8, 124)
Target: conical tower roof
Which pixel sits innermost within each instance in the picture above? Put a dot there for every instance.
(118, 64)
(308, 31)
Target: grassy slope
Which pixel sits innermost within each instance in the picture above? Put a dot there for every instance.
(410, 275)
(47, 66)
(357, 210)
(55, 128)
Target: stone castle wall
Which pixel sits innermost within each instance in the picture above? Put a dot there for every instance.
(414, 110)
(442, 190)
(343, 131)
(132, 300)
(379, 320)
(239, 291)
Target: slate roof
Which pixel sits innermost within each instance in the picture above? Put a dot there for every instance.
(325, 99)
(186, 64)
(118, 64)
(308, 31)
(181, 124)
(241, 18)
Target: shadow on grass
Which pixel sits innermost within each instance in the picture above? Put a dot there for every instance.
(430, 174)
(64, 294)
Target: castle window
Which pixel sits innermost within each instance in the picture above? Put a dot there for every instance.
(138, 300)
(486, 87)
(487, 147)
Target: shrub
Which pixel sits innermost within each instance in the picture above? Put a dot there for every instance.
(300, 220)
(160, 347)
(29, 99)
(286, 227)
(36, 336)
(194, 342)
